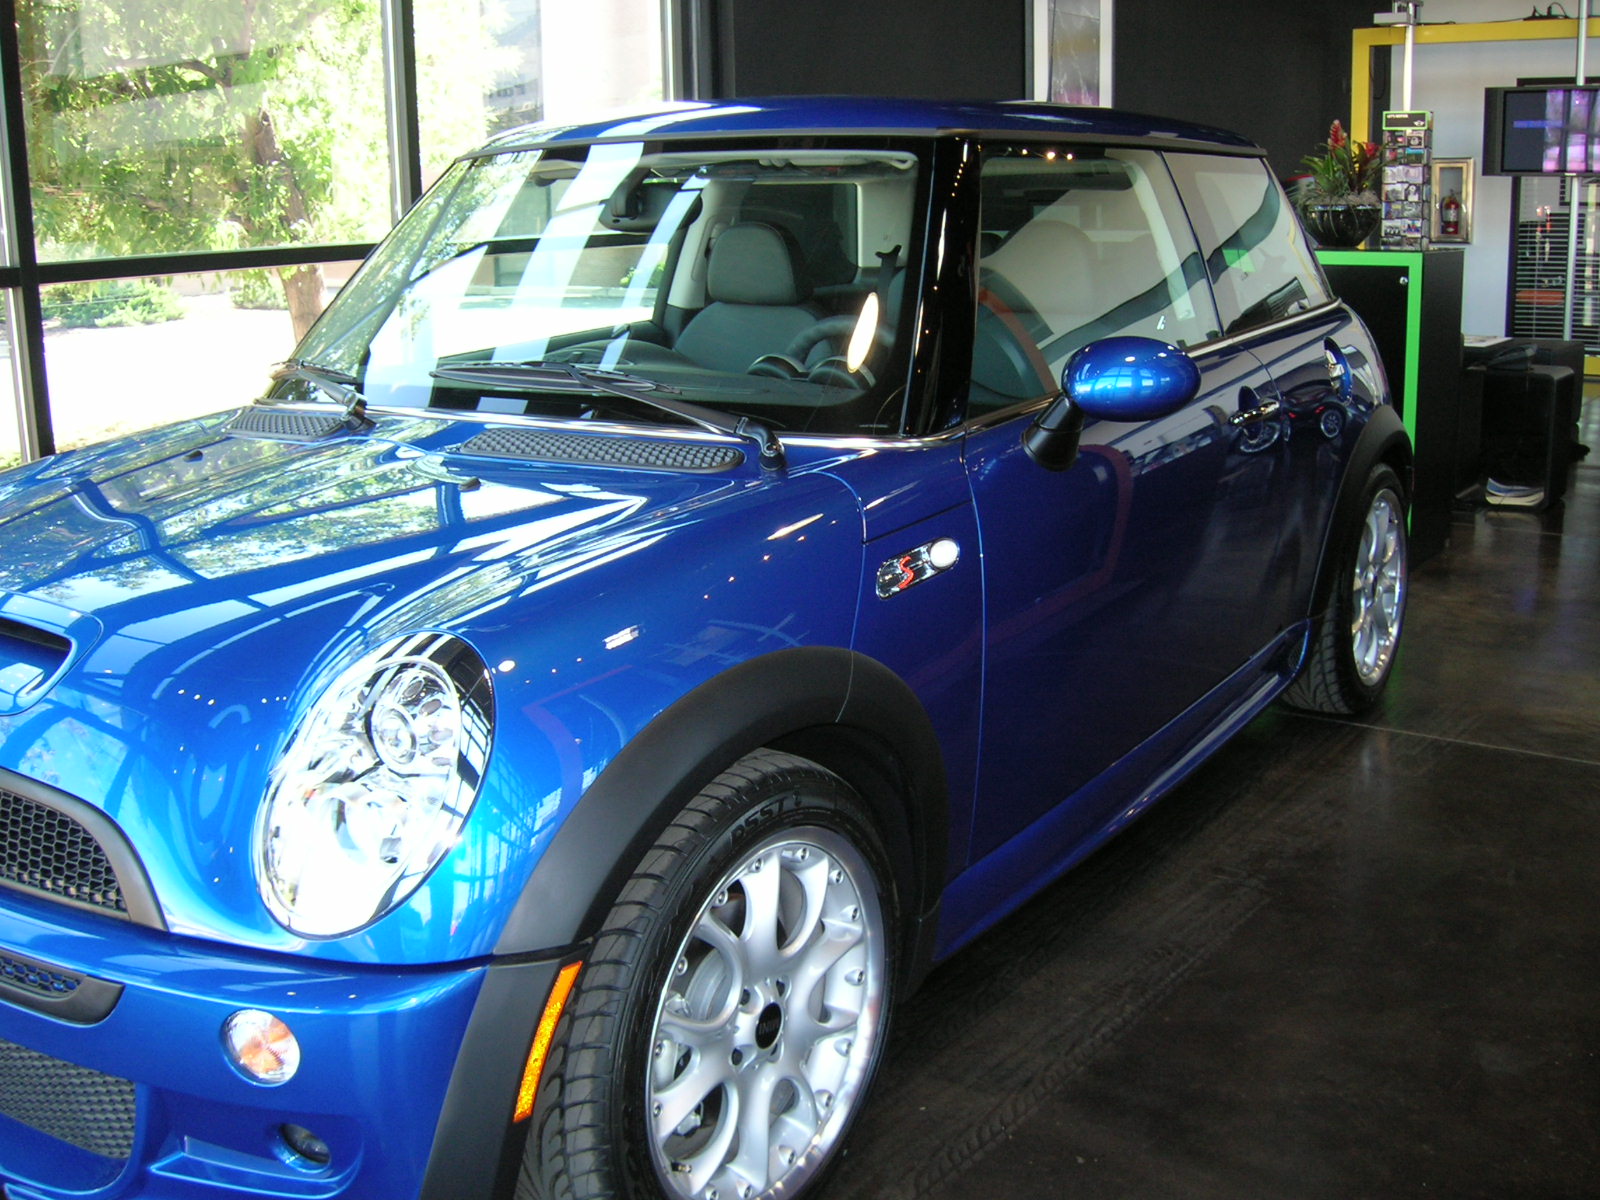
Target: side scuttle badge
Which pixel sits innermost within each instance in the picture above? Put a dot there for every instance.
(914, 566)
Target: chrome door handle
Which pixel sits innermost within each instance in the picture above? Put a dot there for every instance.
(1245, 416)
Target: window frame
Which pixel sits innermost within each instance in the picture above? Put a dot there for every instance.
(23, 275)
(1176, 213)
(1260, 314)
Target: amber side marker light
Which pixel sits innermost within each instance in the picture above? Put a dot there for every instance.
(541, 1040)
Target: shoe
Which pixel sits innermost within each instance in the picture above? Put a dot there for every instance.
(1518, 494)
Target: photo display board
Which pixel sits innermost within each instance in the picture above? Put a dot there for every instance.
(1407, 180)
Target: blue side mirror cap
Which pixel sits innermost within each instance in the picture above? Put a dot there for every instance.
(1130, 379)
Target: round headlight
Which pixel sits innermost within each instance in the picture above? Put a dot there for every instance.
(374, 785)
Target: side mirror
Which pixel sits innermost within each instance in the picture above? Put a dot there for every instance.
(1122, 379)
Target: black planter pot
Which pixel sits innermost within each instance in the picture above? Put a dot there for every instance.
(1341, 224)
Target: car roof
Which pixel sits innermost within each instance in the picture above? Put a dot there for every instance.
(857, 114)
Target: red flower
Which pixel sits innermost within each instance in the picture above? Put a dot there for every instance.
(1336, 136)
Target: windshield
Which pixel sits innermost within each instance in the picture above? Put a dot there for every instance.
(765, 282)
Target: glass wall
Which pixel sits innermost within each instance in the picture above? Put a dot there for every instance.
(162, 126)
(542, 59)
(10, 442)
(125, 354)
(199, 174)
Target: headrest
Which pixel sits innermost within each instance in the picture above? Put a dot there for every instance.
(755, 264)
(1045, 268)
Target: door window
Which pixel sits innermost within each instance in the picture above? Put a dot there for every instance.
(1077, 246)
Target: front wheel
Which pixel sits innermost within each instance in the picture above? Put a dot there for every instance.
(724, 1032)
(1353, 643)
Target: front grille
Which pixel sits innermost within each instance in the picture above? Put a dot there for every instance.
(46, 851)
(36, 977)
(81, 1107)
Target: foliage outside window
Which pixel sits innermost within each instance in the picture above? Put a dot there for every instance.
(10, 445)
(163, 127)
(160, 127)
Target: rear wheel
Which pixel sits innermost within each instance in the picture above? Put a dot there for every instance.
(1353, 643)
(724, 1033)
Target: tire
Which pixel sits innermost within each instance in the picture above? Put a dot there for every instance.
(1353, 642)
(746, 968)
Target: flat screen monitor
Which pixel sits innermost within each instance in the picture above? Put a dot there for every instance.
(1547, 130)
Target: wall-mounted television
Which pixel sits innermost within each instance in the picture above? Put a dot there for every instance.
(1544, 130)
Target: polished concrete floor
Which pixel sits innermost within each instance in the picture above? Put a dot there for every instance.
(1346, 959)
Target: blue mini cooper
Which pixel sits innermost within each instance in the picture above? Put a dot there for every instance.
(704, 569)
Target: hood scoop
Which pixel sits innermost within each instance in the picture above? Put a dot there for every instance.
(650, 454)
(30, 659)
(288, 425)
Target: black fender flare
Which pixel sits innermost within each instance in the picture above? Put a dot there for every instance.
(842, 709)
(1383, 439)
(838, 707)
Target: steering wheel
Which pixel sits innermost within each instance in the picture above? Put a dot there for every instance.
(791, 364)
(807, 340)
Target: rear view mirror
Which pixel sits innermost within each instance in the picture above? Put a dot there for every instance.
(1122, 379)
(638, 203)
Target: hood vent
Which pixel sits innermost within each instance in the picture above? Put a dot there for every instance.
(539, 445)
(287, 425)
(29, 659)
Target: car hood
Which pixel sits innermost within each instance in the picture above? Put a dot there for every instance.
(169, 606)
(116, 531)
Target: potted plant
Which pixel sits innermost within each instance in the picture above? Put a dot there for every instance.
(1338, 201)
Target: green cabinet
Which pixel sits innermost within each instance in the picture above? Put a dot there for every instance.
(1411, 300)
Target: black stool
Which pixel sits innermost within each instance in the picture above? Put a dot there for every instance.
(1527, 422)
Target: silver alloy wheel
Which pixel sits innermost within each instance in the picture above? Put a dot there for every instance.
(765, 1031)
(1379, 588)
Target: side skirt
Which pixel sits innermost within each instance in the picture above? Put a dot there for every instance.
(1003, 880)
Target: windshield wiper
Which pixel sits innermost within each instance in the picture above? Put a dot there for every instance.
(574, 377)
(339, 384)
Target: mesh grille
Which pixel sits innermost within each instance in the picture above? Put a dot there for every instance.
(21, 973)
(291, 426)
(47, 851)
(83, 1108)
(602, 451)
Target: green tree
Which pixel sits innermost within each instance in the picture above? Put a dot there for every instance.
(159, 126)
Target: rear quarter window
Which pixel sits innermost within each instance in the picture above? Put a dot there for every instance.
(1260, 264)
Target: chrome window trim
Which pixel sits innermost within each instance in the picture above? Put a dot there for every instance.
(1203, 351)
(1288, 321)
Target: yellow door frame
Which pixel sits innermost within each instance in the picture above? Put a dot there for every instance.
(1364, 41)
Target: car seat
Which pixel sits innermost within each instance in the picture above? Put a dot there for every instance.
(1037, 285)
(759, 300)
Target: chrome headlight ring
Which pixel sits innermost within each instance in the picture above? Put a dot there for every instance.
(374, 785)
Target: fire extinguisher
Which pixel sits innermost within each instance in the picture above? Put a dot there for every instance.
(1450, 216)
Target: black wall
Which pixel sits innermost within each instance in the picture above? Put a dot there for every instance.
(1276, 72)
(937, 49)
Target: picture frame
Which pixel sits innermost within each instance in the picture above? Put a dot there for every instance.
(1452, 180)
(1069, 51)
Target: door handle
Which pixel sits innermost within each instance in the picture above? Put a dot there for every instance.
(1247, 416)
